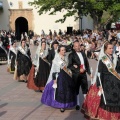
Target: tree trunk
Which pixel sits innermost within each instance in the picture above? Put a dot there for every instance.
(96, 15)
(95, 23)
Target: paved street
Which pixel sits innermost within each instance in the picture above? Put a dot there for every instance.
(17, 102)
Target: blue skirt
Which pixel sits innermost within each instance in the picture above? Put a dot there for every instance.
(62, 97)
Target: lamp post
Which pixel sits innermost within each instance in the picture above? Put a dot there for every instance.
(83, 4)
(81, 17)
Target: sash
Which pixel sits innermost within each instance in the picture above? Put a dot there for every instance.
(3, 48)
(64, 67)
(43, 56)
(13, 50)
(23, 51)
(44, 59)
(67, 71)
(110, 66)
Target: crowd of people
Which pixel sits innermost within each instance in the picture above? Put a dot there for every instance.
(59, 66)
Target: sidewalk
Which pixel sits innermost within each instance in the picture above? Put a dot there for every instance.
(17, 102)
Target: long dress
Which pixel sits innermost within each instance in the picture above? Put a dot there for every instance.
(23, 62)
(3, 54)
(31, 83)
(12, 59)
(42, 74)
(38, 78)
(64, 95)
(95, 107)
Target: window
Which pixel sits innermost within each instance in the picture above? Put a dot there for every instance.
(1, 5)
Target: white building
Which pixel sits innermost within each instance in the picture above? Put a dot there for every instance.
(18, 15)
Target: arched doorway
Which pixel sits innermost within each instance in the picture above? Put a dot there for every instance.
(21, 26)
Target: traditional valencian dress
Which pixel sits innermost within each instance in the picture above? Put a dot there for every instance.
(23, 62)
(105, 105)
(3, 54)
(63, 95)
(40, 70)
(12, 59)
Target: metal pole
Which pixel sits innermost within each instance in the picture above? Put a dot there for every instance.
(81, 23)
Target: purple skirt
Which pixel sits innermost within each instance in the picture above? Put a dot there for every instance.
(48, 98)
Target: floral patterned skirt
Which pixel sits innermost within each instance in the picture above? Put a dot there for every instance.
(91, 107)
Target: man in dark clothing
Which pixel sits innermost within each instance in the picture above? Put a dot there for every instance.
(52, 51)
(79, 65)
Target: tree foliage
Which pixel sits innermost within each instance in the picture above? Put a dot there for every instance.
(95, 8)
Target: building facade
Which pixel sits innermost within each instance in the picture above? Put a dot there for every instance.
(19, 16)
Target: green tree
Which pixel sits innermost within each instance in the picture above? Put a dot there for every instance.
(95, 8)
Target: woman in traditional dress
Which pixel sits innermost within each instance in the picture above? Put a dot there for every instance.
(40, 70)
(3, 53)
(12, 57)
(42, 66)
(59, 91)
(103, 99)
(23, 61)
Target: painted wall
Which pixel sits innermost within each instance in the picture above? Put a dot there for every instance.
(4, 16)
(40, 22)
(87, 22)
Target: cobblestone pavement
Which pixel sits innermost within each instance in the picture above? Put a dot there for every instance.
(17, 102)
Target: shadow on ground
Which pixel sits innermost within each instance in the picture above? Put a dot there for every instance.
(26, 116)
(3, 112)
(2, 105)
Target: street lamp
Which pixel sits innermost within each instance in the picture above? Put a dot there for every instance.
(82, 6)
(81, 17)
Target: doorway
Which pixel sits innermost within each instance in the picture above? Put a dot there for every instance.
(21, 26)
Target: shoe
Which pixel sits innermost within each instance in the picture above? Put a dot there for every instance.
(37, 90)
(41, 91)
(96, 59)
(62, 110)
(77, 107)
(25, 81)
(20, 80)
